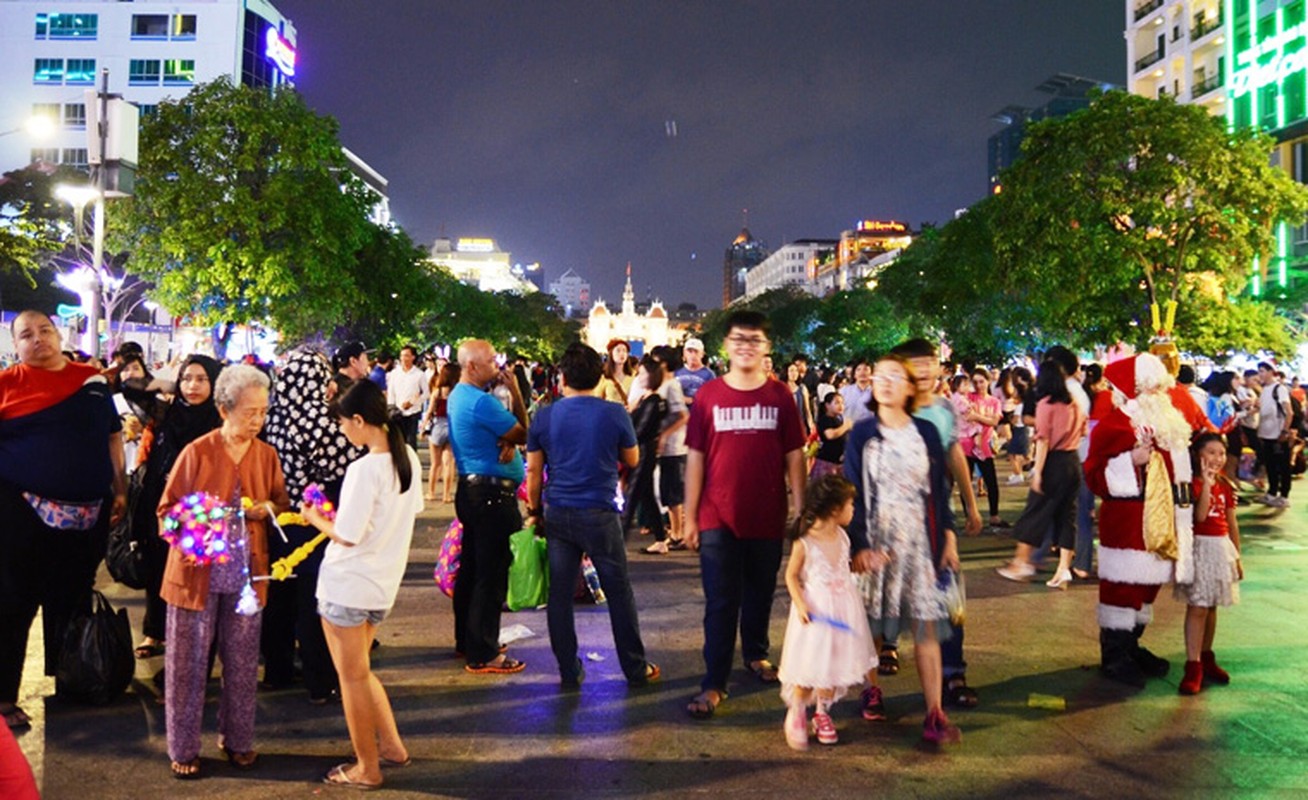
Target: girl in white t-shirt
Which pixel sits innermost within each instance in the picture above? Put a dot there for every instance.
(361, 573)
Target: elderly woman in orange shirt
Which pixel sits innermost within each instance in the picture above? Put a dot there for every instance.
(230, 464)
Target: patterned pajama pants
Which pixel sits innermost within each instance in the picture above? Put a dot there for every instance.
(186, 669)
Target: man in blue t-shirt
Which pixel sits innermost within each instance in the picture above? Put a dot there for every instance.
(484, 436)
(582, 438)
(694, 374)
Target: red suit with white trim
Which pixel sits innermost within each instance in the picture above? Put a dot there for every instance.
(1144, 439)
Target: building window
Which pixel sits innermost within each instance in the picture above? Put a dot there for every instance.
(183, 26)
(179, 72)
(81, 72)
(148, 110)
(178, 27)
(49, 70)
(149, 26)
(143, 72)
(49, 155)
(76, 157)
(67, 26)
(74, 115)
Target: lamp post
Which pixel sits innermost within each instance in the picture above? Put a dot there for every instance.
(38, 126)
(83, 282)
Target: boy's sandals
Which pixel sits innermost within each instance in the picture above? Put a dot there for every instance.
(186, 770)
(889, 661)
(339, 776)
(16, 718)
(705, 703)
(764, 670)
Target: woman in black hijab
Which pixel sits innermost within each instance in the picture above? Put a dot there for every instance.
(190, 415)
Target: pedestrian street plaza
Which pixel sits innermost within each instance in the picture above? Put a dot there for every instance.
(1047, 725)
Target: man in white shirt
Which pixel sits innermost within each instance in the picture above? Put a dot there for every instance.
(1275, 414)
(406, 389)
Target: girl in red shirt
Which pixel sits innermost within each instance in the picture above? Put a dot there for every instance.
(1217, 568)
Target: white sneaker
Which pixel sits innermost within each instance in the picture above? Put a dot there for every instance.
(1015, 480)
(1267, 500)
(1016, 572)
(1280, 502)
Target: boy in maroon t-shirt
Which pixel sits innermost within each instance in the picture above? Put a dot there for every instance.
(745, 446)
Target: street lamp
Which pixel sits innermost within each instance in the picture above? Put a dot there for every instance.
(38, 126)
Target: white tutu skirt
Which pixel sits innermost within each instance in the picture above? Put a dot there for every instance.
(1216, 580)
(820, 655)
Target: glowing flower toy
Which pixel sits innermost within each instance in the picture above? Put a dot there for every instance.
(197, 525)
(314, 496)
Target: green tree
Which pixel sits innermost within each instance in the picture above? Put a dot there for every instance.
(1135, 202)
(34, 224)
(397, 286)
(246, 211)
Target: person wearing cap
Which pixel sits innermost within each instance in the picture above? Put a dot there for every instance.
(694, 374)
(351, 364)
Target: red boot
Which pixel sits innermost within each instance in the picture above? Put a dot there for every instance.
(1212, 672)
(1193, 680)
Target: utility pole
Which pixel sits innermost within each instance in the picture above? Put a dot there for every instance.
(97, 249)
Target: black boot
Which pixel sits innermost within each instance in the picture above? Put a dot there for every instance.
(1116, 662)
(1151, 665)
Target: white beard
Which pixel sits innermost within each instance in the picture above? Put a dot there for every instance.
(1156, 419)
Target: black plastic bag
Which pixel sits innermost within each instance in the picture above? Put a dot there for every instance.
(125, 557)
(96, 664)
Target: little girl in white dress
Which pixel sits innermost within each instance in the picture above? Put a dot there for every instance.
(828, 647)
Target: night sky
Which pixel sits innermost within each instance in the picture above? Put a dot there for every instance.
(548, 125)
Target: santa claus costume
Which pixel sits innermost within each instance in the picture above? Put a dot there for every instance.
(1139, 464)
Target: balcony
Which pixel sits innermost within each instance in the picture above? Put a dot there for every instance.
(1149, 60)
(1145, 9)
(1201, 27)
(1207, 85)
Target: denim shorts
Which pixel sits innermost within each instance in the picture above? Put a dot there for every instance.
(346, 617)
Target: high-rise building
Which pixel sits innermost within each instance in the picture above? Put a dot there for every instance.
(572, 291)
(793, 264)
(744, 253)
(1070, 93)
(1244, 60)
(52, 53)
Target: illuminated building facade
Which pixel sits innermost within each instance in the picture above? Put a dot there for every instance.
(793, 264)
(642, 331)
(744, 254)
(480, 262)
(1070, 93)
(51, 54)
(860, 254)
(1245, 60)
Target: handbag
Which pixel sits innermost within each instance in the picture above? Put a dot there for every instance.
(529, 574)
(447, 563)
(96, 663)
(125, 555)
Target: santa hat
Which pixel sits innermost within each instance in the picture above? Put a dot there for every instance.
(1140, 373)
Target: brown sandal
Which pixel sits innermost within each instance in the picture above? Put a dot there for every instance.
(186, 770)
(706, 703)
(244, 760)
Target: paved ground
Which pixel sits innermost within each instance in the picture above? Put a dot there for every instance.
(520, 736)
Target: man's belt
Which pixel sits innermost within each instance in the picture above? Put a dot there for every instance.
(507, 484)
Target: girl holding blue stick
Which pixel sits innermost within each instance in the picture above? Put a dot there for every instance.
(828, 647)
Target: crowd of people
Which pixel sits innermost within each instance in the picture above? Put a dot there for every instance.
(856, 467)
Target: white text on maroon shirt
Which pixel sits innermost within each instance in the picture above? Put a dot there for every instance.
(757, 417)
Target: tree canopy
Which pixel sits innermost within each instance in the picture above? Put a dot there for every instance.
(246, 211)
(1133, 202)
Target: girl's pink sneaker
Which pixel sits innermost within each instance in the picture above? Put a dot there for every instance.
(937, 729)
(824, 728)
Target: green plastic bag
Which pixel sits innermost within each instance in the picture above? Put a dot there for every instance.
(529, 574)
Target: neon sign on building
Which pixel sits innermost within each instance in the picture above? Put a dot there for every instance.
(280, 52)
